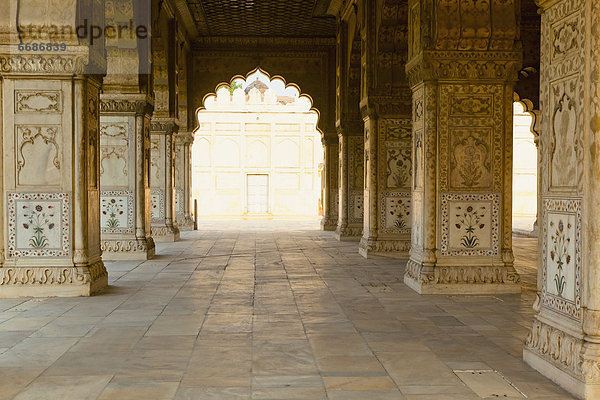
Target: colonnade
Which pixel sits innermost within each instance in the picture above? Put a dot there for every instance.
(96, 142)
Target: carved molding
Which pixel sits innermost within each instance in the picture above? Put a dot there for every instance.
(384, 246)
(52, 275)
(127, 246)
(557, 347)
(448, 275)
(43, 64)
(126, 106)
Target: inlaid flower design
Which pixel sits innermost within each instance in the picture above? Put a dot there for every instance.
(38, 220)
(112, 209)
(470, 220)
(560, 254)
(400, 210)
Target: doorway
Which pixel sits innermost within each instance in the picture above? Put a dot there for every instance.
(258, 194)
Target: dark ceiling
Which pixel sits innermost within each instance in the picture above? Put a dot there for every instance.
(275, 18)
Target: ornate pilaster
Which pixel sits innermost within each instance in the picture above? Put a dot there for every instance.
(50, 239)
(124, 179)
(330, 187)
(385, 110)
(350, 219)
(162, 179)
(183, 180)
(462, 86)
(349, 129)
(564, 342)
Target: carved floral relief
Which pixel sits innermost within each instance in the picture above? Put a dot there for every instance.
(470, 160)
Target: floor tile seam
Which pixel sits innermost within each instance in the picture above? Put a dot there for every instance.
(366, 342)
(312, 353)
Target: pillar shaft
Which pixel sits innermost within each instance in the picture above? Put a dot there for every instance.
(162, 178)
(125, 196)
(462, 144)
(330, 187)
(564, 342)
(351, 210)
(183, 181)
(50, 198)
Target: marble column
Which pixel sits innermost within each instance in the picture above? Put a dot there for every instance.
(462, 143)
(564, 342)
(50, 198)
(351, 159)
(124, 179)
(385, 109)
(162, 178)
(330, 189)
(183, 180)
(387, 202)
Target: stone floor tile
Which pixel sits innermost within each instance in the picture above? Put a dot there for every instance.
(267, 309)
(213, 393)
(141, 391)
(65, 388)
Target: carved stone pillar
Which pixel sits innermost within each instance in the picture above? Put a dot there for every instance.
(330, 189)
(350, 219)
(125, 112)
(162, 179)
(183, 181)
(50, 170)
(385, 110)
(463, 64)
(387, 171)
(124, 168)
(564, 343)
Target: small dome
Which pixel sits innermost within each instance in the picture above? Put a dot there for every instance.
(260, 85)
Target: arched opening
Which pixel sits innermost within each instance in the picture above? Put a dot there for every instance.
(257, 150)
(525, 171)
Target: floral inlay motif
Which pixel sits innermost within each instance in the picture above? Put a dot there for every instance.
(116, 211)
(38, 222)
(470, 220)
(112, 210)
(470, 224)
(38, 225)
(400, 210)
(560, 254)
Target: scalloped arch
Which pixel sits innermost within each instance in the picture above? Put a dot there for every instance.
(271, 79)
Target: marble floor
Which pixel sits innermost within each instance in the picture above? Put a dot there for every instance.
(269, 310)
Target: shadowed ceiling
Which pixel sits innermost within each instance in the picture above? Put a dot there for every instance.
(276, 18)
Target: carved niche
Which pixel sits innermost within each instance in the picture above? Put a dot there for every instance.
(38, 155)
(114, 153)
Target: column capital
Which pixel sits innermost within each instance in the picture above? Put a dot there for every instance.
(164, 125)
(126, 103)
(464, 65)
(397, 105)
(184, 137)
(350, 127)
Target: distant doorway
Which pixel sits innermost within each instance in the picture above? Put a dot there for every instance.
(258, 194)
